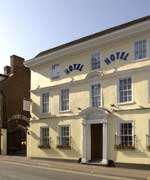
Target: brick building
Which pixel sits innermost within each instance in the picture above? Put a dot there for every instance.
(14, 89)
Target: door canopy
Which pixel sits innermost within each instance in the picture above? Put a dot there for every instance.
(92, 113)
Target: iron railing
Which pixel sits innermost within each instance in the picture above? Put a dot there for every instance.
(64, 142)
(125, 142)
(45, 143)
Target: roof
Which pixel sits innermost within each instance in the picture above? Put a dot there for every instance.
(95, 35)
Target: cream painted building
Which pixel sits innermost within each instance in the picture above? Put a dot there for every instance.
(91, 98)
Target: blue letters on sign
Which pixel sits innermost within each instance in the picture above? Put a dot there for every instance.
(117, 55)
(74, 67)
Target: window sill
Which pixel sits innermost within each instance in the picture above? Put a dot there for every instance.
(63, 146)
(44, 147)
(66, 111)
(143, 59)
(126, 103)
(42, 115)
(121, 147)
(55, 78)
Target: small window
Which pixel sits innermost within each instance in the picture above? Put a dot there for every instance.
(95, 61)
(64, 99)
(45, 102)
(126, 136)
(55, 71)
(95, 95)
(44, 137)
(125, 90)
(140, 49)
(64, 136)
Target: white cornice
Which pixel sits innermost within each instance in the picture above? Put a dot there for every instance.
(102, 40)
(101, 75)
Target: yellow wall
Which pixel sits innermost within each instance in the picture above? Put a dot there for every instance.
(79, 84)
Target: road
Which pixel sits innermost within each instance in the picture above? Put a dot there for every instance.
(23, 168)
(11, 171)
(16, 171)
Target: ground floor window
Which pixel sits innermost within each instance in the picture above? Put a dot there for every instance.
(64, 139)
(44, 137)
(126, 137)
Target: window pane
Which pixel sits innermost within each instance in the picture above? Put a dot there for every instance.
(126, 136)
(125, 90)
(95, 95)
(95, 61)
(140, 49)
(45, 102)
(64, 135)
(44, 136)
(64, 99)
(55, 71)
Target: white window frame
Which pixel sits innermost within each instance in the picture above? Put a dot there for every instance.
(60, 133)
(41, 102)
(55, 74)
(100, 94)
(60, 100)
(95, 55)
(147, 50)
(133, 130)
(118, 90)
(41, 136)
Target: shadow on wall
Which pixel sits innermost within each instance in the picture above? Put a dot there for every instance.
(140, 151)
(53, 151)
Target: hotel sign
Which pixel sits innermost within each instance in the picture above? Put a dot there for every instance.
(108, 60)
(73, 67)
(116, 56)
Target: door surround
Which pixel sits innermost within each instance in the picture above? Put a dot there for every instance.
(99, 117)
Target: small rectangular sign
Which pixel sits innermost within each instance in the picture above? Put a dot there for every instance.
(26, 105)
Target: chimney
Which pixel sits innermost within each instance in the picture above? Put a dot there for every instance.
(16, 62)
(7, 70)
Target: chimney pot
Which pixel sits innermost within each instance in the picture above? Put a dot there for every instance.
(16, 62)
(7, 70)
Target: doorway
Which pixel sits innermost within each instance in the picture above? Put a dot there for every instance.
(96, 142)
(16, 144)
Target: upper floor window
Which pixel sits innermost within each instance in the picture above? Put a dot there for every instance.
(95, 61)
(44, 137)
(64, 99)
(45, 102)
(140, 49)
(125, 90)
(95, 95)
(55, 71)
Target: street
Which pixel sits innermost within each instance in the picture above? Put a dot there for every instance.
(12, 168)
(15, 172)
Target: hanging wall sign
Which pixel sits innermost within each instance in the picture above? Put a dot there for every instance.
(73, 67)
(116, 56)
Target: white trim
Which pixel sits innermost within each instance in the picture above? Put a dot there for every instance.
(101, 40)
(40, 135)
(59, 126)
(86, 144)
(133, 127)
(41, 104)
(60, 109)
(147, 49)
(96, 82)
(132, 88)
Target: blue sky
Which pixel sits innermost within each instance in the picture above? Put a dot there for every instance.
(30, 26)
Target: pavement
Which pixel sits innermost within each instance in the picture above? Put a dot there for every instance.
(23, 168)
